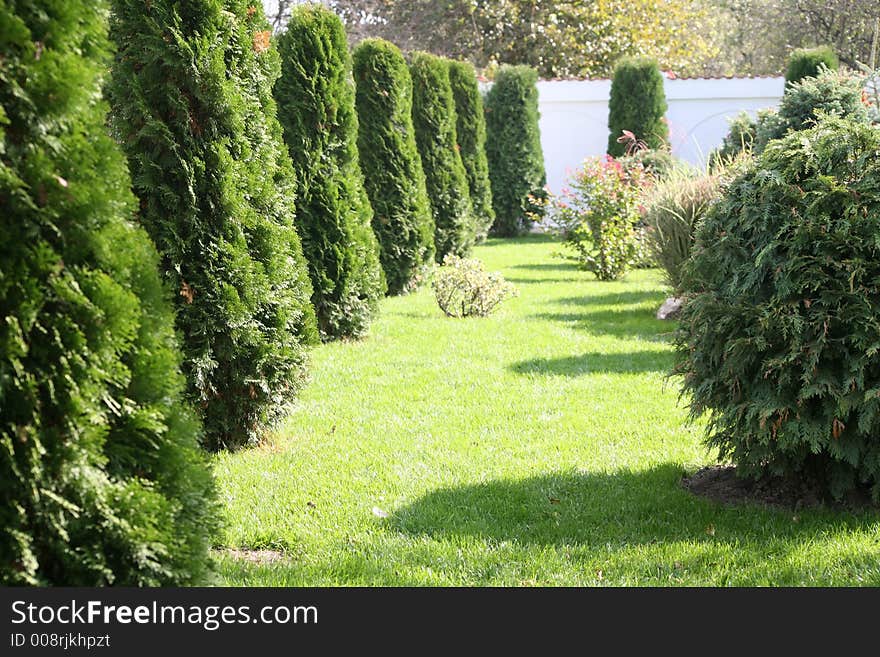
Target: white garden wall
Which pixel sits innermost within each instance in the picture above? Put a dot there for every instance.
(574, 117)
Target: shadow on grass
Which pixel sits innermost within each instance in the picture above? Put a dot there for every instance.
(547, 266)
(541, 281)
(619, 323)
(531, 238)
(630, 297)
(632, 362)
(632, 507)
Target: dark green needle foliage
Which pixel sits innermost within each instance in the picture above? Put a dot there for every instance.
(389, 157)
(780, 333)
(809, 62)
(101, 478)
(434, 120)
(637, 104)
(214, 187)
(315, 96)
(513, 150)
(470, 129)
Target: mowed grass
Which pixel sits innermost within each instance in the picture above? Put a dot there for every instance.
(543, 445)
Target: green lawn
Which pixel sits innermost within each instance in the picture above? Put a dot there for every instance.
(540, 446)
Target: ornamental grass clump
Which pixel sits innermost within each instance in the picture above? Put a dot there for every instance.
(464, 288)
(779, 337)
(101, 477)
(316, 107)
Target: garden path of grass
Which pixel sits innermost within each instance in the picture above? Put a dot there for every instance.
(539, 446)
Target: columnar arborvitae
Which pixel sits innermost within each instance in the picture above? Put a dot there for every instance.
(470, 128)
(101, 478)
(204, 163)
(637, 104)
(809, 63)
(315, 95)
(434, 120)
(513, 149)
(393, 175)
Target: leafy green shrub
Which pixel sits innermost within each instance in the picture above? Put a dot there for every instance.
(809, 62)
(513, 150)
(191, 96)
(739, 138)
(831, 93)
(470, 128)
(637, 104)
(445, 178)
(673, 209)
(315, 95)
(393, 176)
(779, 335)
(101, 478)
(464, 288)
(597, 215)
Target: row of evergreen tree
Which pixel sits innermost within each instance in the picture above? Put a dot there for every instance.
(271, 195)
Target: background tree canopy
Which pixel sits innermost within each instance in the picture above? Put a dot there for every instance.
(563, 38)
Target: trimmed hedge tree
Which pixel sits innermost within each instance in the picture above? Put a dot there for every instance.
(809, 62)
(513, 150)
(445, 178)
(315, 95)
(215, 189)
(389, 157)
(637, 104)
(101, 478)
(779, 336)
(470, 129)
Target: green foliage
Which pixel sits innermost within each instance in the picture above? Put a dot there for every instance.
(674, 208)
(315, 95)
(191, 95)
(832, 93)
(463, 288)
(739, 138)
(389, 157)
(809, 63)
(779, 336)
(101, 478)
(637, 104)
(513, 149)
(597, 215)
(445, 177)
(470, 128)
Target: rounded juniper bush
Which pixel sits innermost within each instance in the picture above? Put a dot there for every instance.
(389, 157)
(779, 336)
(470, 129)
(101, 478)
(315, 96)
(189, 106)
(809, 63)
(513, 150)
(445, 178)
(637, 104)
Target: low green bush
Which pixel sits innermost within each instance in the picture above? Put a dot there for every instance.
(463, 288)
(809, 63)
(779, 337)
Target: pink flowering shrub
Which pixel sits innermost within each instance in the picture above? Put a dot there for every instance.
(596, 215)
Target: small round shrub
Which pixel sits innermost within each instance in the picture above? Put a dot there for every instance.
(393, 176)
(637, 104)
(779, 339)
(470, 128)
(674, 207)
(832, 93)
(463, 288)
(445, 178)
(316, 107)
(739, 138)
(809, 62)
(513, 150)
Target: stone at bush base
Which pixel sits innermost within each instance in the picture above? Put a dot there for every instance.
(670, 308)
